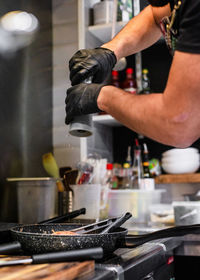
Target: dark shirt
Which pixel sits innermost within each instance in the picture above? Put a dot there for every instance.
(188, 25)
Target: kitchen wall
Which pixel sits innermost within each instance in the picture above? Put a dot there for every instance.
(25, 105)
(65, 44)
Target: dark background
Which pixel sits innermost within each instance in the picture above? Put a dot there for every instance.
(25, 105)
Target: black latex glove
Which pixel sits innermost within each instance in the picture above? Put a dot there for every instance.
(81, 100)
(97, 63)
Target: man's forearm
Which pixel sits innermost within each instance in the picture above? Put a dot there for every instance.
(141, 32)
(145, 114)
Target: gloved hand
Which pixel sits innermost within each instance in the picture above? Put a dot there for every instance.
(82, 99)
(97, 63)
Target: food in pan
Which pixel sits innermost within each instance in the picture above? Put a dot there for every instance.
(64, 232)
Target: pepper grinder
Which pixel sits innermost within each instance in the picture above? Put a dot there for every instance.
(81, 126)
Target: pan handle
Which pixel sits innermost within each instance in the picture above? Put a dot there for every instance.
(8, 248)
(73, 255)
(117, 223)
(67, 216)
(131, 241)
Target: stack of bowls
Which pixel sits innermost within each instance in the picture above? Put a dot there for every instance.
(180, 161)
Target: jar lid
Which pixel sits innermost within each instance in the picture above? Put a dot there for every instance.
(129, 70)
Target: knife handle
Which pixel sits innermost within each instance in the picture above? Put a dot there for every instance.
(66, 256)
(10, 247)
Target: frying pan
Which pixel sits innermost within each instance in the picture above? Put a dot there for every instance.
(93, 253)
(39, 239)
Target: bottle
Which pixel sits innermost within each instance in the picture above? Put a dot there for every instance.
(127, 176)
(129, 83)
(106, 185)
(115, 79)
(145, 162)
(111, 179)
(128, 158)
(137, 167)
(145, 82)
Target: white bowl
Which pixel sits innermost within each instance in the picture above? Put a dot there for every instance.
(181, 158)
(181, 167)
(178, 152)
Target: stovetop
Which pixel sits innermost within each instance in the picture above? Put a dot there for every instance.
(123, 261)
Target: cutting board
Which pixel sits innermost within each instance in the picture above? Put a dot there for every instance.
(57, 271)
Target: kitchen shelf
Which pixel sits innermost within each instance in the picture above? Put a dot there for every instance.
(104, 31)
(178, 178)
(106, 120)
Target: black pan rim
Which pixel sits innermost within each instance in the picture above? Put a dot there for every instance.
(16, 230)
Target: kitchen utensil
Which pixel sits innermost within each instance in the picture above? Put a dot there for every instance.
(69, 178)
(63, 169)
(117, 223)
(85, 172)
(104, 226)
(65, 256)
(82, 126)
(86, 229)
(39, 239)
(36, 198)
(67, 216)
(51, 167)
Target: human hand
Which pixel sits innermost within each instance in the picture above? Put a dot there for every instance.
(97, 63)
(81, 100)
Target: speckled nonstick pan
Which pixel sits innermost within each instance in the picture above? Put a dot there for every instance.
(38, 239)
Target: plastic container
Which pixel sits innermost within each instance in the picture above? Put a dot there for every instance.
(186, 212)
(162, 214)
(103, 12)
(88, 196)
(137, 202)
(36, 199)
